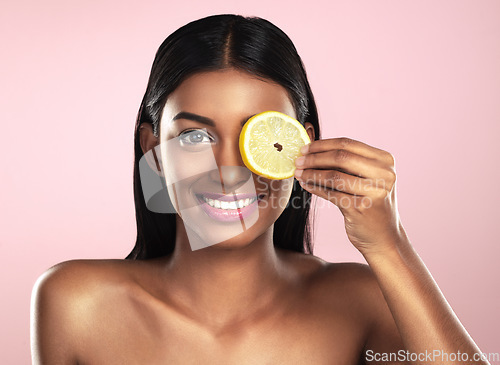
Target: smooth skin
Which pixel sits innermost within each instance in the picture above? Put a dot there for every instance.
(245, 301)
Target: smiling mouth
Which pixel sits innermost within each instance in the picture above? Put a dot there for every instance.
(230, 201)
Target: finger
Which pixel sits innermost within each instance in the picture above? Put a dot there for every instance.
(333, 179)
(343, 160)
(351, 145)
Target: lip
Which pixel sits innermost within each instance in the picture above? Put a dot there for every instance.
(228, 215)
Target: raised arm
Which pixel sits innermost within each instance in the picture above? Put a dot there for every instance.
(427, 324)
(361, 181)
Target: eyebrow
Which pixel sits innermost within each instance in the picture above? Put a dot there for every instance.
(201, 119)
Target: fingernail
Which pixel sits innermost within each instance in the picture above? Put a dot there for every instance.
(298, 173)
(304, 149)
(300, 161)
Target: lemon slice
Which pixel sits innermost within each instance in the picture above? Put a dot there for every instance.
(270, 142)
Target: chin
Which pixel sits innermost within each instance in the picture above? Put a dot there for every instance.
(242, 241)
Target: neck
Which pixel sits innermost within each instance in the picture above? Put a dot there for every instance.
(220, 286)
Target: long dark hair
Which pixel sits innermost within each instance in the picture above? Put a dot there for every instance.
(218, 42)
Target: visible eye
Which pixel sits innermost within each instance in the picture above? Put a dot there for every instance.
(195, 137)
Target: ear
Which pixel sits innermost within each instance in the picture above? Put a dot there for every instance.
(310, 130)
(148, 142)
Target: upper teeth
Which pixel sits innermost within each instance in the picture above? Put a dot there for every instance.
(229, 205)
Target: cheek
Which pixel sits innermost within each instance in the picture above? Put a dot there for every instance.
(182, 165)
(281, 187)
(286, 187)
(285, 191)
(278, 191)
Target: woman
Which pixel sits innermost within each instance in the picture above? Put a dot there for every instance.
(199, 289)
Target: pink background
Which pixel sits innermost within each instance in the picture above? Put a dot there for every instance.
(420, 79)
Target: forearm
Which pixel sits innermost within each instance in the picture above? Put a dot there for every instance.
(425, 320)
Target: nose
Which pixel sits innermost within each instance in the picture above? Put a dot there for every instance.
(232, 172)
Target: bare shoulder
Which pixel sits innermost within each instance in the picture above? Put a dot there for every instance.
(354, 288)
(355, 276)
(355, 284)
(343, 287)
(349, 283)
(63, 300)
(76, 278)
(326, 275)
(83, 281)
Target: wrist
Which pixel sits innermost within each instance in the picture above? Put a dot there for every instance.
(392, 248)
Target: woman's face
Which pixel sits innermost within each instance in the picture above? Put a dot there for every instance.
(220, 201)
